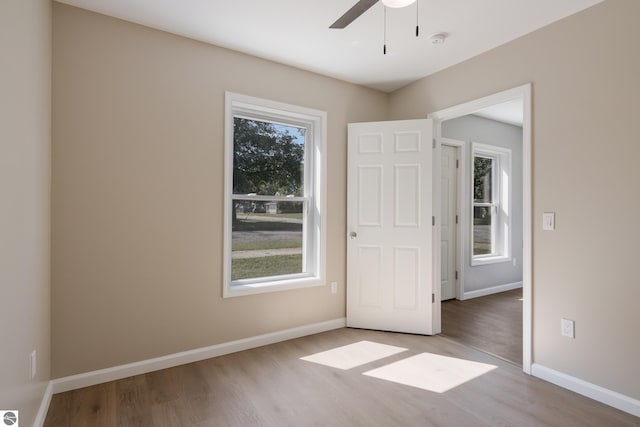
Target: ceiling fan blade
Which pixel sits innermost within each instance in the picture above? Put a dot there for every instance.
(352, 14)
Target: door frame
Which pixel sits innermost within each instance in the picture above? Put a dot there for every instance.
(523, 93)
(461, 208)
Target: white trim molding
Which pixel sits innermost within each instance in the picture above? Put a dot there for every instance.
(491, 290)
(44, 406)
(595, 392)
(87, 379)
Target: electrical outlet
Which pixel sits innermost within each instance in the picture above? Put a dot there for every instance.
(34, 364)
(334, 287)
(567, 328)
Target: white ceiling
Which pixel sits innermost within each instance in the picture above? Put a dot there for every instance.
(296, 32)
(511, 112)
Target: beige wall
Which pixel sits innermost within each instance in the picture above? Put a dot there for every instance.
(586, 104)
(138, 192)
(25, 177)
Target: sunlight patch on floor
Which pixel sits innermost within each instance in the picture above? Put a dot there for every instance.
(352, 355)
(431, 372)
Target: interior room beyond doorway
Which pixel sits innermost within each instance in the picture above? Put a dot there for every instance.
(484, 310)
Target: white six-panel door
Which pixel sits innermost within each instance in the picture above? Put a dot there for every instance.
(389, 226)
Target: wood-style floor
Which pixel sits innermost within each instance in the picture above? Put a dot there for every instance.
(272, 386)
(492, 323)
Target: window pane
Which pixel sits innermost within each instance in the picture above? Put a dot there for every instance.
(482, 234)
(268, 159)
(482, 180)
(267, 239)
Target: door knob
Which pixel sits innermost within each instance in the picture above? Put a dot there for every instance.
(353, 234)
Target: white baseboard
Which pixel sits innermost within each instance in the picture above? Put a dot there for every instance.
(492, 290)
(44, 406)
(142, 367)
(595, 392)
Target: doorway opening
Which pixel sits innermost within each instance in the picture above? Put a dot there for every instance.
(485, 243)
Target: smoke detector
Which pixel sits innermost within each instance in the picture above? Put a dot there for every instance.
(438, 38)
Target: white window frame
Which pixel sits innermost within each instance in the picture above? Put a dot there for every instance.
(314, 228)
(501, 215)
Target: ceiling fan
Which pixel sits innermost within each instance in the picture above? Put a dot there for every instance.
(361, 7)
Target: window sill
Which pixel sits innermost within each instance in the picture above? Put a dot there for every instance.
(240, 289)
(477, 261)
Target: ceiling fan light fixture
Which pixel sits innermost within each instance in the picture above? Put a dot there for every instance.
(397, 3)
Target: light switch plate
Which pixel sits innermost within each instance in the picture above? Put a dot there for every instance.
(566, 328)
(549, 221)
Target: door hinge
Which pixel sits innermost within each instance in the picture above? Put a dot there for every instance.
(433, 220)
(457, 164)
(433, 298)
(456, 275)
(456, 219)
(434, 143)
